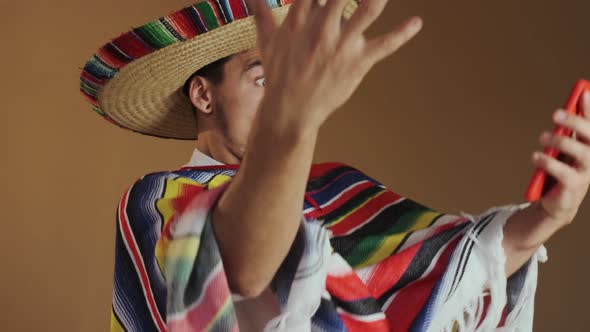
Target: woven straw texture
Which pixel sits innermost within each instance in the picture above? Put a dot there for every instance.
(135, 81)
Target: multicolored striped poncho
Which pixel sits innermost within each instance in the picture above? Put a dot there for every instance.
(393, 265)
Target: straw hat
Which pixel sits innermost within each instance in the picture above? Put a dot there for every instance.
(135, 81)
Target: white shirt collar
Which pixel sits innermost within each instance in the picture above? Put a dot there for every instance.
(200, 159)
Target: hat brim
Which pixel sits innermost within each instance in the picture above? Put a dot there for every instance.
(145, 93)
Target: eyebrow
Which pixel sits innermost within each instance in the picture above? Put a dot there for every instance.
(252, 65)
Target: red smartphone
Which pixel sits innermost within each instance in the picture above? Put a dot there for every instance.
(542, 182)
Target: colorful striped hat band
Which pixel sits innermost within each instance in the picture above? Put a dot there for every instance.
(135, 81)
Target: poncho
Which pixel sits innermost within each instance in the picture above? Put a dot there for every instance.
(365, 258)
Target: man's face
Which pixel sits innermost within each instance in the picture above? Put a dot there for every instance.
(237, 97)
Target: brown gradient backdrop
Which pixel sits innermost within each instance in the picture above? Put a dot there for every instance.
(450, 121)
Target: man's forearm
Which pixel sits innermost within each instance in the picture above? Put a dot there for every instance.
(257, 217)
(524, 232)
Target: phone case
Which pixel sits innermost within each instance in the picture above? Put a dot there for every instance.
(542, 182)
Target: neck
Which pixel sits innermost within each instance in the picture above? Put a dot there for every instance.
(217, 148)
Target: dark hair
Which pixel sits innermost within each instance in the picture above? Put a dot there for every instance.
(212, 71)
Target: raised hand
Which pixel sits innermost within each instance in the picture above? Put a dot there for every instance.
(562, 202)
(315, 60)
(529, 228)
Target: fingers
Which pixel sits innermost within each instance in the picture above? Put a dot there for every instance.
(264, 20)
(365, 14)
(585, 101)
(579, 124)
(333, 12)
(298, 12)
(383, 46)
(562, 172)
(579, 152)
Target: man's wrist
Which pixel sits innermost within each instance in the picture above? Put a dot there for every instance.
(279, 124)
(529, 228)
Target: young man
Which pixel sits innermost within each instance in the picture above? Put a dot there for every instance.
(223, 243)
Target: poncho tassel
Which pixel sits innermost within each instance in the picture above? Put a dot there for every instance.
(477, 270)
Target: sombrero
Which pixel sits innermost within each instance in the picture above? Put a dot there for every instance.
(135, 81)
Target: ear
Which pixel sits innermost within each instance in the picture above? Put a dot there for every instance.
(200, 94)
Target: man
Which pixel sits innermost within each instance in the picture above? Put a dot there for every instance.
(222, 243)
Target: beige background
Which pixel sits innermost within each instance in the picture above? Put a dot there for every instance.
(450, 121)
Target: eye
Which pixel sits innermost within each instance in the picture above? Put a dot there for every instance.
(261, 81)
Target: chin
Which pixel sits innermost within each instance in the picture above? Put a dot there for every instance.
(240, 154)
(238, 150)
